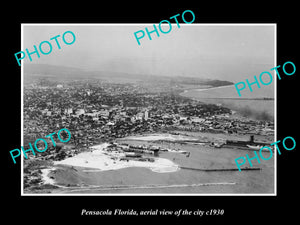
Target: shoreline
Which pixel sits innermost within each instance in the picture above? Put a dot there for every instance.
(101, 160)
(211, 88)
(203, 89)
(259, 107)
(223, 98)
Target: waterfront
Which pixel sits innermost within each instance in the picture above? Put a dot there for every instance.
(73, 177)
(100, 160)
(256, 104)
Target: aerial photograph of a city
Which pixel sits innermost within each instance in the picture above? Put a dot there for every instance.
(160, 118)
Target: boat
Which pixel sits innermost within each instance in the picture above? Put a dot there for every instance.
(133, 154)
(255, 147)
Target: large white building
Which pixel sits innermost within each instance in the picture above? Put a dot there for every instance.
(146, 116)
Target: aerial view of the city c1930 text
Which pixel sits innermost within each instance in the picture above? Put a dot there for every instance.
(161, 118)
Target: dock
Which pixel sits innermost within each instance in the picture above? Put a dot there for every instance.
(220, 169)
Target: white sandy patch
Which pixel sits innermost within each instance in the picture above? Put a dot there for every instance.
(46, 179)
(104, 160)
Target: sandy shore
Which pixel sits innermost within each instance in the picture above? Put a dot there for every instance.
(212, 88)
(103, 160)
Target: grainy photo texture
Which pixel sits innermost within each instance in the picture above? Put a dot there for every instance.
(104, 115)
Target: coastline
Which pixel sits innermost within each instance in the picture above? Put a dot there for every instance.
(229, 91)
(259, 104)
(205, 89)
(99, 159)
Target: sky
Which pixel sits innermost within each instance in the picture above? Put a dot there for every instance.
(226, 52)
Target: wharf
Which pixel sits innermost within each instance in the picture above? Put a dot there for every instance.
(221, 169)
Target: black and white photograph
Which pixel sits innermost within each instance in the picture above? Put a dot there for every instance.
(149, 113)
(134, 110)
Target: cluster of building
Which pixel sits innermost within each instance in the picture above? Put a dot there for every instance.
(101, 112)
(224, 123)
(105, 112)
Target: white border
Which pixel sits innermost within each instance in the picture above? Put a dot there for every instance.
(152, 194)
(275, 108)
(22, 110)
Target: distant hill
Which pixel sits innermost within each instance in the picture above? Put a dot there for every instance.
(50, 70)
(44, 70)
(218, 83)
(38, 71)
